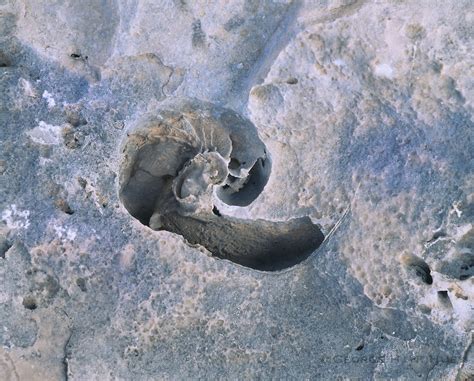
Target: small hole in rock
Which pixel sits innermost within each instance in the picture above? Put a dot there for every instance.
(29, 302)
(418, 267)
(216, 211)
(443, 294)
(292, 81)
(81, 283)
(63, 206)
(444, 299)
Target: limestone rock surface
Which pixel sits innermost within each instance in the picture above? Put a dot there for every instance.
(366, 111)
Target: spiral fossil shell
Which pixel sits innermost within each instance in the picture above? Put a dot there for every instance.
(179, 158)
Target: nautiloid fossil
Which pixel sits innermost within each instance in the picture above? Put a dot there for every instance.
(182, 157)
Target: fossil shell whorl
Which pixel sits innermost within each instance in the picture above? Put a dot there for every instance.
(178, 149)
(180, 157)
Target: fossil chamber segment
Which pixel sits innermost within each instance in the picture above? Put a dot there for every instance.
(178, 159)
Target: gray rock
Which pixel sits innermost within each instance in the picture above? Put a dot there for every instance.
(366, 110)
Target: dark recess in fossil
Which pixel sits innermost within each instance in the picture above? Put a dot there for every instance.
(178, 159)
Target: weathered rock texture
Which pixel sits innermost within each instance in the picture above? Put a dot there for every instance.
(366, 110)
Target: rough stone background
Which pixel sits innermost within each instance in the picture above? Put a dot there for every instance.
(366, 108)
